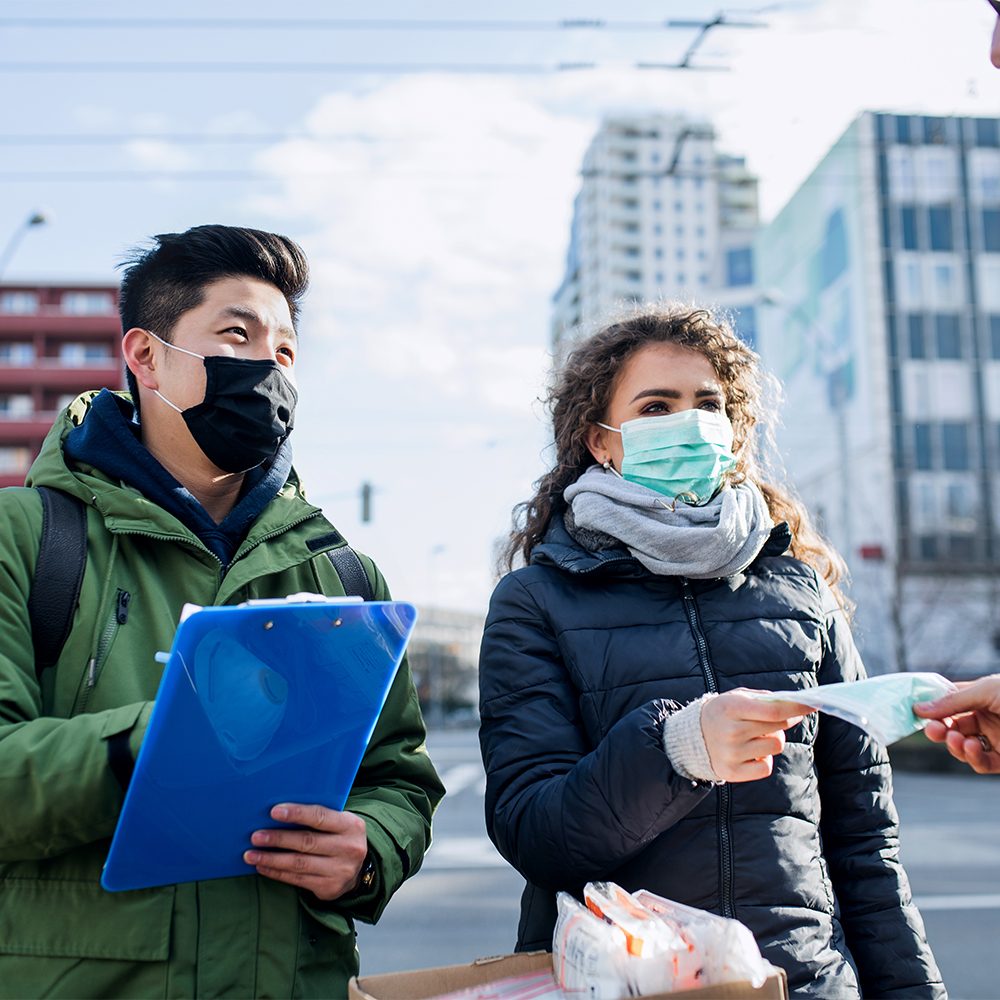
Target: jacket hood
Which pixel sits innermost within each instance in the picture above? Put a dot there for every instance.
(559, 549)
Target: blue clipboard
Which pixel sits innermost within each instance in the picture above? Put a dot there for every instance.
(267, 702)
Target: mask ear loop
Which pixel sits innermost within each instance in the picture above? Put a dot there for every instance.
(608, 467)
(173, 347)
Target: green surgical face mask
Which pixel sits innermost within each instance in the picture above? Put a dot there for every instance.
(683, 455)
(881, 706)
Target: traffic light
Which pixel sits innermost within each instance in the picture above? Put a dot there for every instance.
(366, 502)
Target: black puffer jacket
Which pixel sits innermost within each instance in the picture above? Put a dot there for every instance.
(584, 655)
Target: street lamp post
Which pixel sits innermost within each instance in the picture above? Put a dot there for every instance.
(35, 219)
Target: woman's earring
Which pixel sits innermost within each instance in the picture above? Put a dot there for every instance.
(607, 465)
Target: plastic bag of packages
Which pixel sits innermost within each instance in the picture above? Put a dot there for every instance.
(881, 706)
(660, 960)
(726, 950)
(589, 954)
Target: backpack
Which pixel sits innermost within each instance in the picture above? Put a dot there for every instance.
(62, 559)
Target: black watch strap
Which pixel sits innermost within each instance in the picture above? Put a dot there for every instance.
(367, 879)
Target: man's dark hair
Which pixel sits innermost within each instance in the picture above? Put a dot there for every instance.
(163, 282)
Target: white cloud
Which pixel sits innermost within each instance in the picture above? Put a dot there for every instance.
(436, 210)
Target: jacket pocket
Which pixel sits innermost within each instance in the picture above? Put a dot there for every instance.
(77, 919)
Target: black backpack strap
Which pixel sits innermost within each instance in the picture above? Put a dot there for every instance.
(62, 559)
(352, 573)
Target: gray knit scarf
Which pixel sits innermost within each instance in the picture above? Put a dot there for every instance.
(718, 539)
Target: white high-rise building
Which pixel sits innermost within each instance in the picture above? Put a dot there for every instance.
(660, 215)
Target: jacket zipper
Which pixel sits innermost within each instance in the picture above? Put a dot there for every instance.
(723, 802)
(118, 617)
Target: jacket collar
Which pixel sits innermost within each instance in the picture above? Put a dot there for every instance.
(559, 549)
(126, 510)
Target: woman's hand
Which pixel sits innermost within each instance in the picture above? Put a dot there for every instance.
(964, 719)
(325, 858)
(743, 734)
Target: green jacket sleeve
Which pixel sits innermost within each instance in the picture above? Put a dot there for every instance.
(55, 783)
(396, 792)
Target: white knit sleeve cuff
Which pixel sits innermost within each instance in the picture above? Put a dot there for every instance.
(684, 743)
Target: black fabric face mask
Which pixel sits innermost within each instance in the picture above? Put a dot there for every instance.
(247, 412)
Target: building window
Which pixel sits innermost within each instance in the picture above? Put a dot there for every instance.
(908, 220)
(679, 231)
(657, 229)
(903, 129)
(927, 547)
(944, 283)
(915, 325)
(81, 355)
(995, 337)
(934, 134)
(955, 446)
(700, 231)
(19, 303)
(680, 277)
(939, 219)
(746, 325)
(658, 253)
(678, 206)
(739, 266)
(656, 206)
(16, 406)
(698, 182)
(19, 355)
(987, 132)
(87, 303)
(922, 447)
(948, 333)
(679, 255)
(14, 461)
(991, 230)
(960, 503)
(912, 282)
(659, 277)
(960, 547)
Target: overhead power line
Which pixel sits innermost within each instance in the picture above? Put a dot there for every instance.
(360, 24)
(256, 69)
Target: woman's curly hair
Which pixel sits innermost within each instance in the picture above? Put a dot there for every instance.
(581, 394)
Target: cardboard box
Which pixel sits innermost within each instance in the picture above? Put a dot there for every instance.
(424, 983)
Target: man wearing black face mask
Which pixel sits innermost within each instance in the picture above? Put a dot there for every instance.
(188, 494)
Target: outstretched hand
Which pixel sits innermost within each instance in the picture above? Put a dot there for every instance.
(325, 855)
(966, 718)
(743, 734)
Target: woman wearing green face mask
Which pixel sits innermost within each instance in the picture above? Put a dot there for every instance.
(663, 574)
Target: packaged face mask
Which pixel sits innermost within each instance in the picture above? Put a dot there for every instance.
(724, 950)
(589, 955)
(881, 706)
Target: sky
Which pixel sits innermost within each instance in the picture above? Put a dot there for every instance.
(428, 170)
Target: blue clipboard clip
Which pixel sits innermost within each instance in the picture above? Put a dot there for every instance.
(266, 702)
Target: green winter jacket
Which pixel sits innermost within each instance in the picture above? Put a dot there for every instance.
(61, 934)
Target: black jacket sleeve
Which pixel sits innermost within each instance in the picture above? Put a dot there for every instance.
(860, 829)
(561, 810)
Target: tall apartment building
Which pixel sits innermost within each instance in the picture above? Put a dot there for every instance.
(56, 341)
(880, 313)
(660, 214)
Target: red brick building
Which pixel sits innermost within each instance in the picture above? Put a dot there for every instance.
(56, 341)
